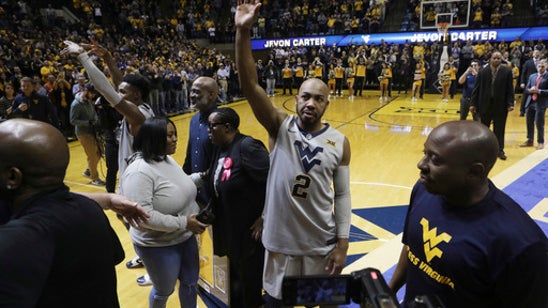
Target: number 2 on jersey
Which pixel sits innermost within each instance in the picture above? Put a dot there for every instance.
(300, 188)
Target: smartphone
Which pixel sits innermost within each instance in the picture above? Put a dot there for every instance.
(316, 290)
(205, 216)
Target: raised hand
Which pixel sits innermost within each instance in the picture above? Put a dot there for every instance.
(95, 48)
(246, 13)
(72, 47)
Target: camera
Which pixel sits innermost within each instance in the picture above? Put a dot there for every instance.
(366, 287)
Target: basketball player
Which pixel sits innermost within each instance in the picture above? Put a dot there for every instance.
(302, 235)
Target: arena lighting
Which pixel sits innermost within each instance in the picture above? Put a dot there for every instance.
(475, 35)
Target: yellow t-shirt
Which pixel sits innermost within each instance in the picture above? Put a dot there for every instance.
(339, 72)
(287, 72)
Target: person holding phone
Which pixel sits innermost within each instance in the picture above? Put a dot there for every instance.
(166, 243)
(468, 80)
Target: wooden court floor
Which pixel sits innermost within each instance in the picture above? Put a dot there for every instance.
(386, 140)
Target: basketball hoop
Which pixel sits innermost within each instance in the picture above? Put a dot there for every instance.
(443, 28)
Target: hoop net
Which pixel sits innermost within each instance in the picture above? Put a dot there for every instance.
(442, 27)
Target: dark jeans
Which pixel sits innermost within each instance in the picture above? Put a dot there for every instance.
(111, 158)
(465, 108)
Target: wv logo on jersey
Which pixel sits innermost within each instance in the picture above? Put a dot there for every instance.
(431, 239)
(307, 156)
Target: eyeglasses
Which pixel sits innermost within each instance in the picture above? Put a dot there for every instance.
(213, 125)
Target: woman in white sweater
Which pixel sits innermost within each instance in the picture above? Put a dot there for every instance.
(166, 244)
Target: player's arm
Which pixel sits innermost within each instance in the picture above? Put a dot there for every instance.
(102, 52)
(342, 210)
(269, 116)
(462, 78)
(133, 115)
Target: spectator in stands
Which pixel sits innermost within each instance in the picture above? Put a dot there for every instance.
(7, 100)
(223, 74)
(542, 15)
(38, 87)
(31, 105)
(506, 14)
(79, 85)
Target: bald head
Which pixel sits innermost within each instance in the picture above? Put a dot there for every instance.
(207, 83)
(203, 93)
(34, 155)
(469, 141)
(316, 83)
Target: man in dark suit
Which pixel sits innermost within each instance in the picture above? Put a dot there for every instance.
(493, 97)
(528, 68)
(535, 105)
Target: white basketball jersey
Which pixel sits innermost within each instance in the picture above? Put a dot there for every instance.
(126, 139)
(299, 216)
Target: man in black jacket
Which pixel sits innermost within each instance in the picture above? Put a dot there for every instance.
(493, 97)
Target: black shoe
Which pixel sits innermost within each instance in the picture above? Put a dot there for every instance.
(502, 155)
(522, 114)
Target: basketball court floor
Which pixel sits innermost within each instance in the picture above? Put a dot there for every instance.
(386, 139)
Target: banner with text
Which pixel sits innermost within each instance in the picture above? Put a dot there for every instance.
(492, 35)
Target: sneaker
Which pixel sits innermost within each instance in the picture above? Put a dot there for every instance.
(98, 182)
(144, 280)
(86, 173)
(135, 263)
(540, 146)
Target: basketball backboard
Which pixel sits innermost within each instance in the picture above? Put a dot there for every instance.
(455, 12)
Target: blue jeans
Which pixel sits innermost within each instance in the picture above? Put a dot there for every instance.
(167, 264)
